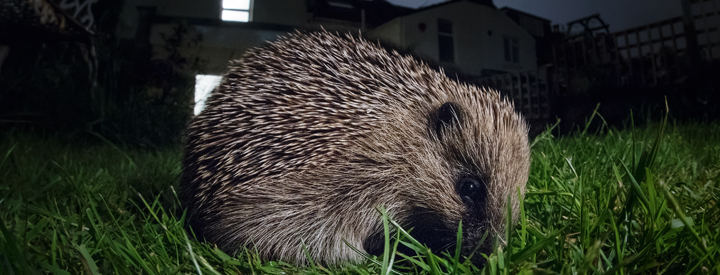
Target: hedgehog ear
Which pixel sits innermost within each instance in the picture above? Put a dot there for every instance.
(447, 115)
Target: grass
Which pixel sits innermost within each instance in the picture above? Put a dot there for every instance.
(610, 201)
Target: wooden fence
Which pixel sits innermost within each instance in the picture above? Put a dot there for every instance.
(528, 90)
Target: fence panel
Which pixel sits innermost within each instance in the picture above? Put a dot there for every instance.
(529, 92)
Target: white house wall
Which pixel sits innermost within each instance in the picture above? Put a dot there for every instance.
(391, 33)
(475, 49)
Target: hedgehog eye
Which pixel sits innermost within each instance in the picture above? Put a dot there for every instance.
(448, 114)
(470, 189)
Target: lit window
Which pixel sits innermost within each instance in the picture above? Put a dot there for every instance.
(235, 10)
(204, 84)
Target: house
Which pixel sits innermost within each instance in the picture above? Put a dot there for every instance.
(471, 36)
(225, 33)
(226, 28)
(539, 28)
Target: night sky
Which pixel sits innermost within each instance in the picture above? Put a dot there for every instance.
(620, 14)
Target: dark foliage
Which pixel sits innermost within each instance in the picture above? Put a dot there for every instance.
(100, 85)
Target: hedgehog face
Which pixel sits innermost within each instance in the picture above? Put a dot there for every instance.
(474, 157)
(486, 153)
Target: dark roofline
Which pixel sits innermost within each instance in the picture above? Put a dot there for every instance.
(481, 2)
(524, 13)
(377, 12)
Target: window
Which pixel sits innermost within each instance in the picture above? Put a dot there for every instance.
(512, 51)
(236, 10)
(446, 48)
(204, 84)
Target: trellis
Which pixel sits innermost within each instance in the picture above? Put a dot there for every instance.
(529, 92)
(64, 17)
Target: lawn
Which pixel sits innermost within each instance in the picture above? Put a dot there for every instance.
(600, 201)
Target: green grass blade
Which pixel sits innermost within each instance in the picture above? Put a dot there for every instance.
(88, 261)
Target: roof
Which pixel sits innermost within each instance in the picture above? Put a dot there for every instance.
(482, 2)
(377, 12)
(524, 13)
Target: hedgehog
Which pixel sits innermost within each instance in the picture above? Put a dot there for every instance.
(308, 136)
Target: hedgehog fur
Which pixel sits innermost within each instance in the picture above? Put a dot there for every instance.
(309, 135)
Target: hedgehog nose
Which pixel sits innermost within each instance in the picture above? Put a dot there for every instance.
(477, 249)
